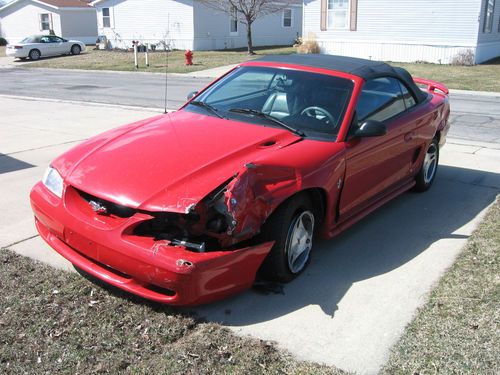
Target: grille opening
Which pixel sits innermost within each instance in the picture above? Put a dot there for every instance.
(177, 232)
(112, 208)
(159, 289)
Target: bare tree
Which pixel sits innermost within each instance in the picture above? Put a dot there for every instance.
(247, 11)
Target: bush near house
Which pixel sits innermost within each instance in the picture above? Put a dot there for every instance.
(3, 42)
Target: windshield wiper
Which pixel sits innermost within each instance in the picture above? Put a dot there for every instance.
(256, 113)
(211, 108)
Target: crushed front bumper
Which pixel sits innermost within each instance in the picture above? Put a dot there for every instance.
(108, 250)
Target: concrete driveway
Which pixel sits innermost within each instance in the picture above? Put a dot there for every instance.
(361, 288)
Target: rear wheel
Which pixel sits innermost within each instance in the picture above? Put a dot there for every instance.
(427, 173)
(34, 54)
(291, 226)
(76, 49)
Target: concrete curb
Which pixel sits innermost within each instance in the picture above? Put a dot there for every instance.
(84, 103)
(475, 93)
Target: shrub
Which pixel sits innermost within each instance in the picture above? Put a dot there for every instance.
(3, 42)
(464, 57)
(307, 46)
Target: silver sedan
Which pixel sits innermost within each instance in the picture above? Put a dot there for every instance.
(37, 46)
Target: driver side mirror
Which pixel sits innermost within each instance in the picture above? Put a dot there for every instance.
(192, 94)
(371, 128)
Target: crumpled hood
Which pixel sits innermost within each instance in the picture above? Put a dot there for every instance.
(169, 162)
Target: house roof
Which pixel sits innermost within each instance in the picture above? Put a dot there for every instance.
(56, 4)
(68, 3)
(287, 2)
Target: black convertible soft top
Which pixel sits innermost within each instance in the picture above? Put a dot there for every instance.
(366, 69)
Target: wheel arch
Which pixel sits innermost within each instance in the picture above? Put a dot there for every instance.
(316, 195)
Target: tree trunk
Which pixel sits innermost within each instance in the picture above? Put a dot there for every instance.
(249, 38)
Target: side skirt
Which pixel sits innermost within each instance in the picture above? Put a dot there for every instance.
(354, 219)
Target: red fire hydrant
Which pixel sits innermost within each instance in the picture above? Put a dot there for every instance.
(189, 57)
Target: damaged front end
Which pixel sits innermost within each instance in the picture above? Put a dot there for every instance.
(232, 213)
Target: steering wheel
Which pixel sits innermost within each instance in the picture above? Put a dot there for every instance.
(319, 113)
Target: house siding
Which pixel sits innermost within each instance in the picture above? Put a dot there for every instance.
(22, 19)
(488, 44)
(149, 21)
(427, 30)
(79, 25)
(212, 29)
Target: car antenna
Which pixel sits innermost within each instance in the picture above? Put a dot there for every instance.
(167, 47)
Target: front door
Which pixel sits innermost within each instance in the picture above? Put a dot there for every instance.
(376, 165)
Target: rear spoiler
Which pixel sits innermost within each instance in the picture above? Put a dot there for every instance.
(432, 86)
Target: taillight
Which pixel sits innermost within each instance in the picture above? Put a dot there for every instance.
(18, 47)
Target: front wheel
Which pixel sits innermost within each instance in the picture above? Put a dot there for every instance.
(292, 229)
(75, 49)
(427, 173)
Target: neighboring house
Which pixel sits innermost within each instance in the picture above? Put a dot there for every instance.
(408, 31)
(70, 19)
(185, 24)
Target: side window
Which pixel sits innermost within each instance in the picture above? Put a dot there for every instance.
(242, 85)
(407, 96)
(380, 99)
(54, 39)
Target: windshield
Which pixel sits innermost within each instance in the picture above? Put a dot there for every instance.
(311, 103)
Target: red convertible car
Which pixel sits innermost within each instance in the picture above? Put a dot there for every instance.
(188, 207)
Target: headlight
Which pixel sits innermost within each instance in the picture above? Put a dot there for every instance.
(53, 181)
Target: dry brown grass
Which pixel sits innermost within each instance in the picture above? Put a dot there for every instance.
(2, 51)
(483, 77)
(53, 322)
(124, 61)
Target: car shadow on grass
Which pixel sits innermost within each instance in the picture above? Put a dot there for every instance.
(382, 242)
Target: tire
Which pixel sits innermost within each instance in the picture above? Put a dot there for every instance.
(75, 49)
(291, 226)
(34, 54)
(427, 173)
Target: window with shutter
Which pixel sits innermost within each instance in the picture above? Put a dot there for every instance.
(338, 13)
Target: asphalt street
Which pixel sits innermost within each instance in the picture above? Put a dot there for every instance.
(474, 117)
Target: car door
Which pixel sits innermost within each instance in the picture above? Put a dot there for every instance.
(58, 46)
(375, 166)
(45, 46)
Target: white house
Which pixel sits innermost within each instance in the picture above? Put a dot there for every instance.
(188, 24)
(70, 19)
(405, 30)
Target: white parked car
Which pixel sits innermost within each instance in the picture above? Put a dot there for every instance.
(37, 46)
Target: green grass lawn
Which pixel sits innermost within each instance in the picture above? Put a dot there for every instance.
(124, 61)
